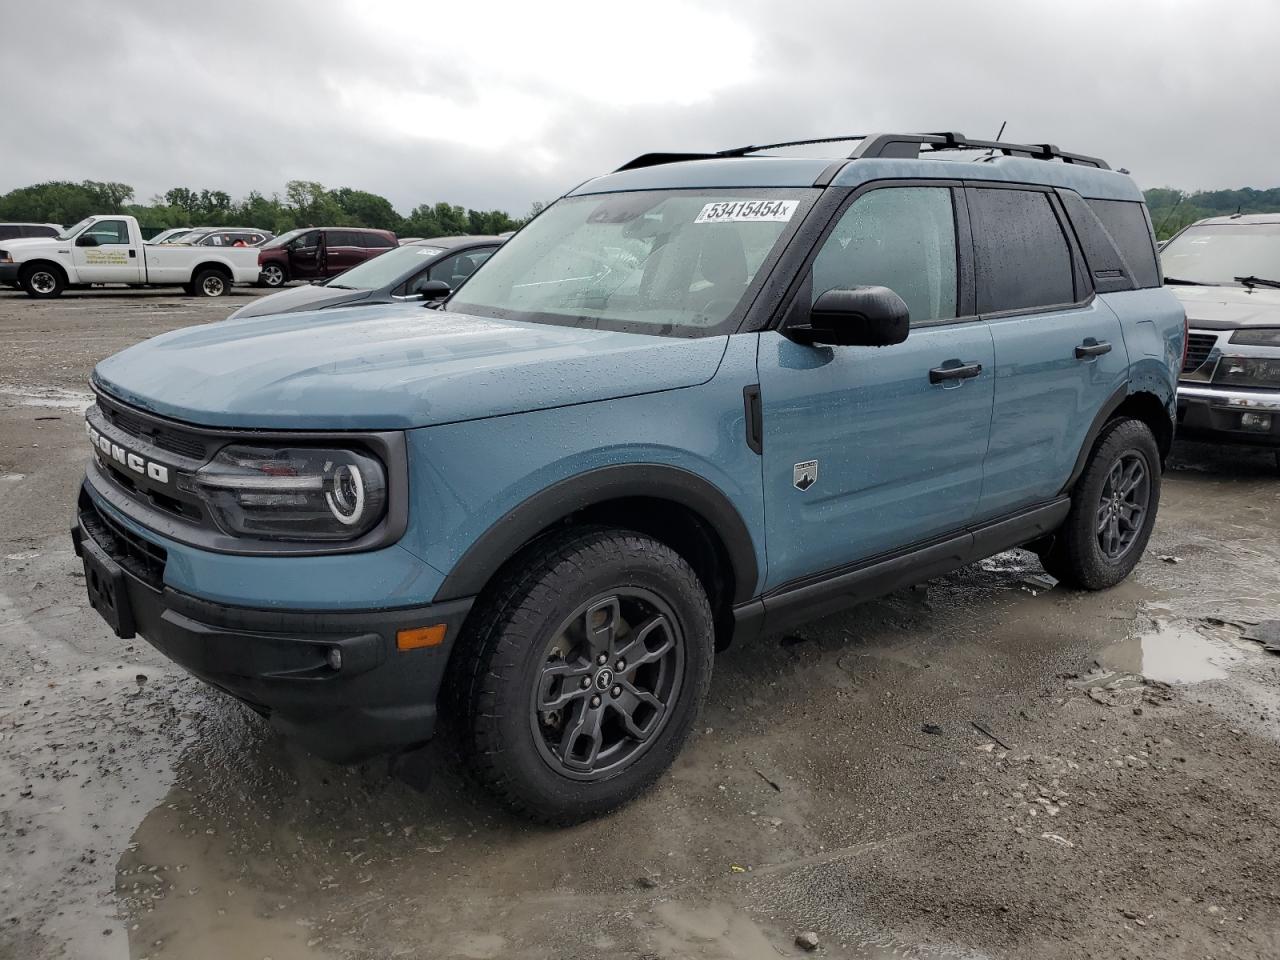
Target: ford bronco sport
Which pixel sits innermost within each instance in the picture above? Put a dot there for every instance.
(696, 400)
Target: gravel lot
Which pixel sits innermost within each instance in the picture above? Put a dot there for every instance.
(1128, 807)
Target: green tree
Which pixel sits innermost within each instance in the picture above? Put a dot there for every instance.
(367, 209)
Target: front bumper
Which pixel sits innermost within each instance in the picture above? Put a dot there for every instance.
(1215, 413)
(9, 272)
(380, 699)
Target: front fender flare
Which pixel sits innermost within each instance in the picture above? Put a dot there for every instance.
(652, 480)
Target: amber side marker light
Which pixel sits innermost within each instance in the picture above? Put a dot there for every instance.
(418, 637)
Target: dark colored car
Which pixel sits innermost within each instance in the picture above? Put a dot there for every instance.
(396, 275)
(317, 253)
(226, 237)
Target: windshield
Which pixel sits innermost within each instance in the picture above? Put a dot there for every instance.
(385, 269)
(72, 231)
(670, 262)
(284, 238)
(1217, 253)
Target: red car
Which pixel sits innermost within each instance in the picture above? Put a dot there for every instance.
(316, 253)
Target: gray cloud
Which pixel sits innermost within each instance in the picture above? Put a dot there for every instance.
(502, 104)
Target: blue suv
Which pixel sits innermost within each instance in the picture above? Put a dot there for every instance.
(697, 400)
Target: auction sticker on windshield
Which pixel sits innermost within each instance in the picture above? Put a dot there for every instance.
(745, 211)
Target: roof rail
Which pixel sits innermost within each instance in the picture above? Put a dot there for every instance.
(910, 145)
(899, 145)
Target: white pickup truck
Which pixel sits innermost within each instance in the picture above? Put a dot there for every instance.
(110, 249)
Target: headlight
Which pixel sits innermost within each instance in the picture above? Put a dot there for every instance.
(1248, 371)
(1260, 337)
(292, 493)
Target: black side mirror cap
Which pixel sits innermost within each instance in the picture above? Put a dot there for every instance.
(434, 290)
(87, 240)
(856, 317)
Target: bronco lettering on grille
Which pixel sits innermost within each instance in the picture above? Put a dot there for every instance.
(127, 458)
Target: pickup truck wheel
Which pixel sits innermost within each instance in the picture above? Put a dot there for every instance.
(1113, 509)
(210, 283)
(272, 275)
(582, 676)
(42, 281)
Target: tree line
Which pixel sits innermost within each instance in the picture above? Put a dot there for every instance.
(305, 203)
(1171, 209)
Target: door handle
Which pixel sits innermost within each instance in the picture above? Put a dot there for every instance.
(963, 371)
(133, 253)
(1092, 348)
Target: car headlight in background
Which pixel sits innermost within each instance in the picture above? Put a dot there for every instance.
(1258, 337)
(1248, 371)
(292, 493)
(5, 257)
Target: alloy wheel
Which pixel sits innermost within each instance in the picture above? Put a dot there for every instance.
(1122, 507)
(608, 683)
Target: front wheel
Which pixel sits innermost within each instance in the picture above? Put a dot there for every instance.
(272, 275)
(42, 281)
(582, 677)
(1113, 509)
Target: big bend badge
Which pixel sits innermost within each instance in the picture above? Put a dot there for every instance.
(805, 475)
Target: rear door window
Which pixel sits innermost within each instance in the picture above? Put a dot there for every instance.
(1130, 229)
(9, 230)
(1023, 260)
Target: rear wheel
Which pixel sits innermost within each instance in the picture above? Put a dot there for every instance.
(42, 281)
(583, 676)
(1113, 509)
(272, 275)
(210, 283)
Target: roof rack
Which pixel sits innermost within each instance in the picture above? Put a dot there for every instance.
(896, 145)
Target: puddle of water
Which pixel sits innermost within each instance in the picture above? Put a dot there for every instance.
(54, 398)
(1173, 652)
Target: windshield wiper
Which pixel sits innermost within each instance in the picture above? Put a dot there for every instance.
(1179, 282)
(1257, 282)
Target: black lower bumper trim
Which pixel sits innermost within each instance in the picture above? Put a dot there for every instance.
(335, 681)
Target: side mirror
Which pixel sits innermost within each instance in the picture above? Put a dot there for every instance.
(87, 240)
(432, 290)
(858, 317)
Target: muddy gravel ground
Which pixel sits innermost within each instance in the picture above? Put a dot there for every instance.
(1100, 778)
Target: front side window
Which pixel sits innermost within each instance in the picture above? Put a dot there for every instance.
(1023, 260)
(903, 238)
(666, 262)
(454, 270)
(1217, 253)
(109, 231)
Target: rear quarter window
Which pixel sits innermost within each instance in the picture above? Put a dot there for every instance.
(37, 230)
(1023, 260)
(1130, 229)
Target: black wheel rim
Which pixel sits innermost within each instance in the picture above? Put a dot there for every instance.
(1122, 508)
(607, 684)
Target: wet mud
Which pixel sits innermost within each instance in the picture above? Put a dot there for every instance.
(1099, 779)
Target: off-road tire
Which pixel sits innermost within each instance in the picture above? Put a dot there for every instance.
(42, 281)
(262, 277)
(210, 283)
(1076, 556)
(492, 679)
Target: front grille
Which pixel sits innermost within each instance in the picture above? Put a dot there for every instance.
(139, 557)
(1198, 347)
(170, 438)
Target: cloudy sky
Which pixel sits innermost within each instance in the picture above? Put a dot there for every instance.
(497, 104)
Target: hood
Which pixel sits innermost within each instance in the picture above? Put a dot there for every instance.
(19, 244)
(310, 297)
(1228, 308)
(391, 367)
